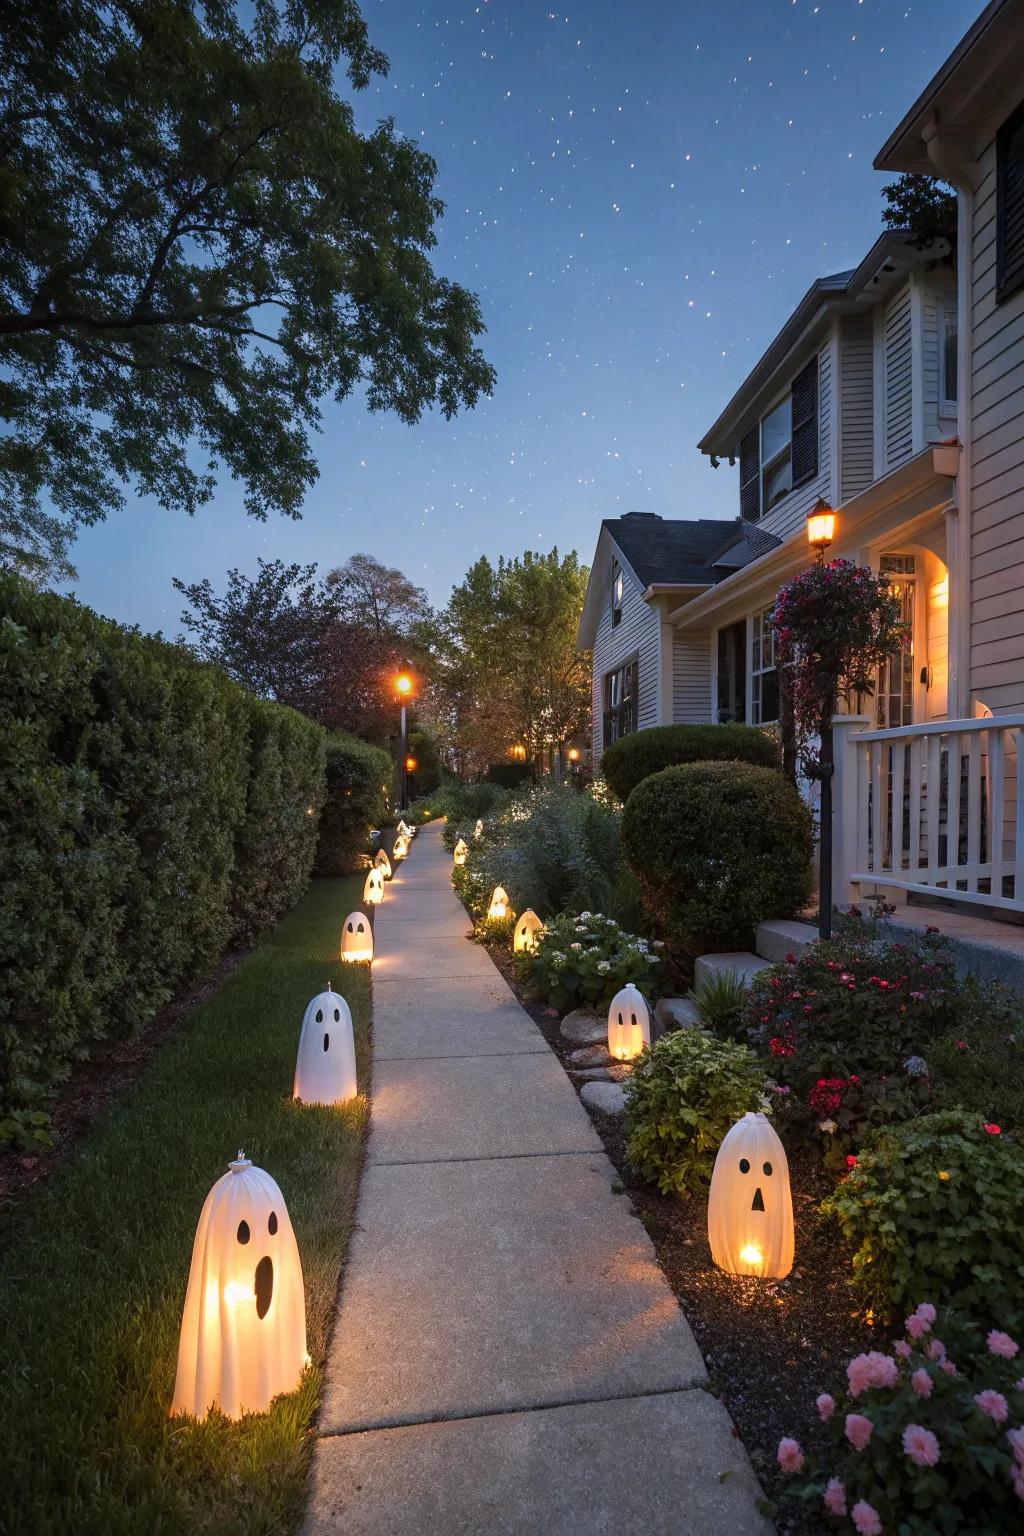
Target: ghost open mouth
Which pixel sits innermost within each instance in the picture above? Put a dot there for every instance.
(264, 1286)
(757, 1204)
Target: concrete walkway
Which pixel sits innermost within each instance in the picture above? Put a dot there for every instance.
(507, 1355)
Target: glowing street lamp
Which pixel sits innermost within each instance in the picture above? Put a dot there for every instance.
(821, 526)
(821, 530)
(405, 687)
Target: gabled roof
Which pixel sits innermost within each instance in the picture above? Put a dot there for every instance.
(671, 551)
(840, 292)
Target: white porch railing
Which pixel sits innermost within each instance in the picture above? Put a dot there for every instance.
(933, 809)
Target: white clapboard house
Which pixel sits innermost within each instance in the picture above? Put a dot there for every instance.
(894, 393)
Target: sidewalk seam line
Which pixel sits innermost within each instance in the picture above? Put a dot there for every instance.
(486, 1157)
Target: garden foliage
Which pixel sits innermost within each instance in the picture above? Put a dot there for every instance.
(153, 814)
(926, 1441)
(716, 848)
(635, 757)
(686, 1091)
(585, 959)
(935, 1207)
(358, 778)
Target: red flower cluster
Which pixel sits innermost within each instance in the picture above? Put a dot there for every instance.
(780, 1047)
(827, 1094)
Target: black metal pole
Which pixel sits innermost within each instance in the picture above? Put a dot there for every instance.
(825, 841)
(405, 771)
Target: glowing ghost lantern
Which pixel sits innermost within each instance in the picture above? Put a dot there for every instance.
(750, 1207)
(357, 938)
(629, 1024)
(325, 1069)
(243, 1330)
(401, 849)
(478, 832)
(383, 863)
(461, 853)
(373, 889)
(499, 902)
(403, 830)
(525, 937)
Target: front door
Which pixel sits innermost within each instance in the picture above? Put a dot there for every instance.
(732, 673)
(895, 698)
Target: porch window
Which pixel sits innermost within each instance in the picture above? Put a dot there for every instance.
(764, 679)
(620, 701)
(948, 363)
(616, 593)
(896, 674)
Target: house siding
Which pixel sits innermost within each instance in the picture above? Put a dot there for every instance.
(636, 634)
(691, 677)
(897, 380)
(996, 420)
(857, 405)
(791, 512)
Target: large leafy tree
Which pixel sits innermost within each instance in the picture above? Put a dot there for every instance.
(507, 667)
(384, 596)
(198, 248)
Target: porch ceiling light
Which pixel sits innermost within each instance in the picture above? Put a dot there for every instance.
(821, 525)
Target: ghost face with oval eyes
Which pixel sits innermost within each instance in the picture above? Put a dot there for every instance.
(325, 1069)
(243, 1330)
(750, 1207)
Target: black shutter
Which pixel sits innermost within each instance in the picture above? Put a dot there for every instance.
(805, 424)
(750, 474)
(1010, 206)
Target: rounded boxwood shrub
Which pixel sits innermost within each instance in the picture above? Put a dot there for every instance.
(684, 1093)
(635, 757)
(716, 848)
(358, 776)
(935, 1207)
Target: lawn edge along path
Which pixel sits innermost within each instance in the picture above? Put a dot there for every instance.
(93, 1266)
(507, 1356)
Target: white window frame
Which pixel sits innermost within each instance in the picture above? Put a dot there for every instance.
(760, 637)
(780, 454)
(948, 321)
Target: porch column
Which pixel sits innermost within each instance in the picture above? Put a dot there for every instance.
(846, 805)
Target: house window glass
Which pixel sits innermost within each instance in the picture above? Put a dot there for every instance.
(764, 679)
(616, 592)
(948, 364)
(620, 701)
(776, 457)
(896, 674)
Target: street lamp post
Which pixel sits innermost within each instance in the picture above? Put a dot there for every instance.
(821, 528)
(404, 690)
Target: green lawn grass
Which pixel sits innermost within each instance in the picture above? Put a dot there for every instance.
(93, 1266)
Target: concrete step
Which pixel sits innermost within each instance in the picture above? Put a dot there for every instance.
(784, 936)
(739, 962)
(677, 1013)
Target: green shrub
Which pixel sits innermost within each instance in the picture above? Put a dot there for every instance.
(585, 959)
(935, 1207)
(978, 1058)
(684, 1094)
(716, 848)
(633, 758)
(150, 813)
(933, 1384)
(496, 930)
(465, 804)
(721, 1003)
(510, 775)
(358, 776)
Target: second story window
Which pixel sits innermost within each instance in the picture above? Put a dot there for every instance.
(781, 451)
(1010, 205)
(948, 363)
(616, 592)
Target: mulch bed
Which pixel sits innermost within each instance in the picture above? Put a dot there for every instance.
(98, 1083)
(770, 1346)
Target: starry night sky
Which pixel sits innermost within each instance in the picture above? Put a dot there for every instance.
(639, 191)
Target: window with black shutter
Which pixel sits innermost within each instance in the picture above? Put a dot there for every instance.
(805, 423)
(620, 701)
(1010, 206)
(750, 474)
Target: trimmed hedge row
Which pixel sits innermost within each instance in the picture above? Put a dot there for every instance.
(151, 814)
(634, 758)
(358, 777)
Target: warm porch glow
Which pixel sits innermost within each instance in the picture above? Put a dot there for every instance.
(821, 525)
(403, 685)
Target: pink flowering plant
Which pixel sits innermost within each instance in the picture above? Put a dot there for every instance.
(926, 1439)
(936, 1207)
(834, 625)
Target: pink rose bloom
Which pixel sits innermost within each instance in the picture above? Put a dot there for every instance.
(920, 1445)
(835, 1497)
(921, 1383)
(936, 1349)
(902, 1348)
(927, 1311)
(1001, 1344)
(948, 1367)
(826, 1406)
(917, 1326)
(790, 1456)
(866, 1519)
(858, 1430)
(994, 1404)
(871, 1370)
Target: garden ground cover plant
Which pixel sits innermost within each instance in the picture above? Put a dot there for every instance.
(94, 1264)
